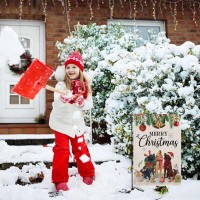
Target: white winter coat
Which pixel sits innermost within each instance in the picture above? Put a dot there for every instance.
(68, 118)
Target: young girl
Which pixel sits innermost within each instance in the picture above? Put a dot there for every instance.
(67, 122)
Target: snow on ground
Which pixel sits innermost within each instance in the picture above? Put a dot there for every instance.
(112, 177)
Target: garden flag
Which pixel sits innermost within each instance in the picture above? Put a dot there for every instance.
(157, 149)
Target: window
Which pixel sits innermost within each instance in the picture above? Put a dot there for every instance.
(143, 26)
(25, 43)
(16, 99)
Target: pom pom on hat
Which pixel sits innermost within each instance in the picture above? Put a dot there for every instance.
(76, 59)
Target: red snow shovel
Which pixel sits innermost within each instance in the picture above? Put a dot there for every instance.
(34, 79)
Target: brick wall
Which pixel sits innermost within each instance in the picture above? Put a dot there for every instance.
(57, 23)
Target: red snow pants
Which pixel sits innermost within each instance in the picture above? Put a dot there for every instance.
(61, 157)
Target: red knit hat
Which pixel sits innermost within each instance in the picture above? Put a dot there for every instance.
(76, 59)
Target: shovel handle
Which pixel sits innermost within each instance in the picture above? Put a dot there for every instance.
(48, 87)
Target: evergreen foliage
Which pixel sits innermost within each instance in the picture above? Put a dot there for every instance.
(157, 78)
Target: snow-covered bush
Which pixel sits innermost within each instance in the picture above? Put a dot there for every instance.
(95, 42)
(157, 78)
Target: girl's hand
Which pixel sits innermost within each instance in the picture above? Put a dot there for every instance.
(80, 101)
(67, 98)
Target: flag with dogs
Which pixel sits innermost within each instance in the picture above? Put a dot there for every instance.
(157, 149)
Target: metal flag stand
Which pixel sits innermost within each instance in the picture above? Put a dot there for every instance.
(132, 169)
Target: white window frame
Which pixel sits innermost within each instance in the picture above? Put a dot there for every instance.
(136, 24)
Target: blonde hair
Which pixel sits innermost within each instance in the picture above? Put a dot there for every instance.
(159, 153)
(84, 82)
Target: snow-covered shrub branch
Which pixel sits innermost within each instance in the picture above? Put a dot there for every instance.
(157, 78)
